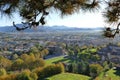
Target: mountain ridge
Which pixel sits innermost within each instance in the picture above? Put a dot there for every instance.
(47, 28)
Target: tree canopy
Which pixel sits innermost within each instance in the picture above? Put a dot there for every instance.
(112, 15)
(34, 11)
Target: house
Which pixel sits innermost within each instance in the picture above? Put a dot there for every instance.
(55, 50)
(111, 52)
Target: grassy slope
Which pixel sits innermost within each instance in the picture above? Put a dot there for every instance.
(68, 76)
(64, 76)
(56, 59)
(110, 75)
(62, 59)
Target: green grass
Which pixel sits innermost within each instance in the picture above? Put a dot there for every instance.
(87, 51)
(56, 60)
(93, 50)
(64, 76)
(68, 76)
(110, 75)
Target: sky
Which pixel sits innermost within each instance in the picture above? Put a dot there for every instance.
(81, 20)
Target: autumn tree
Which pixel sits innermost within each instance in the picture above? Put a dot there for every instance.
(26, 61)
(50, 70)
(43, 53)
(17, 64)
(27, 75)
(37, 63)
(5, 63)
(39, 51)
(30, 62)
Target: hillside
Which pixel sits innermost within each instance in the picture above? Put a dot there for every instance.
(68, 76)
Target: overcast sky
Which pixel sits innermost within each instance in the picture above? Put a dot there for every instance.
(86, 20)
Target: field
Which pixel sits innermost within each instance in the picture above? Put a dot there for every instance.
(64, 76)
(68, 76)
(56, 60)
(110, 75)
(66, 60)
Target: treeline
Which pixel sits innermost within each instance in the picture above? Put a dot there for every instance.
(27, 67)
(85, 60)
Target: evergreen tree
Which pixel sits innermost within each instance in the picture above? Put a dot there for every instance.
(35, 11)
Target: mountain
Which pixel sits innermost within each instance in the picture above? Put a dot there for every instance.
(46, 29)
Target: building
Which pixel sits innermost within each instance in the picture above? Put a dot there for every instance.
(110, 52)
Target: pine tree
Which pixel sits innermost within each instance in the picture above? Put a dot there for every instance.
(34, 12)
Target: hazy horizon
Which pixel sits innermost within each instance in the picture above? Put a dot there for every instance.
(55, 26)
(80, 20)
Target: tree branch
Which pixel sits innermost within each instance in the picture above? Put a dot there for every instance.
(18, 28)
(116, 30)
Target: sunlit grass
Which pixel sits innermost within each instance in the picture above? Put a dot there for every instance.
(69, 76)
(93, 50)
(56, 60)
(88, 51)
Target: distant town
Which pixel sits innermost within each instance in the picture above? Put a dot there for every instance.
(23, 41)
(71, 47)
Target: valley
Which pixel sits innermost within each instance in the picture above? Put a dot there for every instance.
(78, 51)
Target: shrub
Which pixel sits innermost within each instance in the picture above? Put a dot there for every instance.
(50, 70)
(8, 77)
(34, 76)
(95, 70)
(25, 75)
(2, 72)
